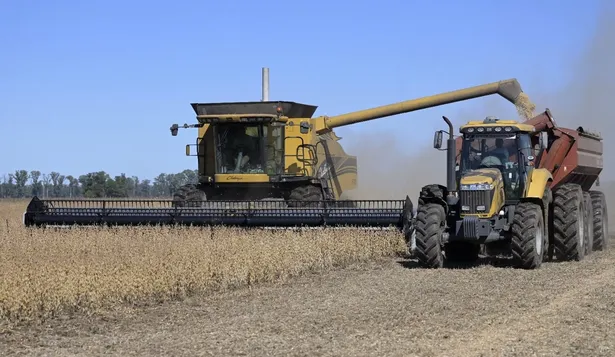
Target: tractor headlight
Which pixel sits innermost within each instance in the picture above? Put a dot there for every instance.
(477, 187)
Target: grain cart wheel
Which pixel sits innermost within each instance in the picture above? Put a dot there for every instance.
(600, 219)
(302, 195)
(589, 224)
(528, 235)
(569, 222)
(547, 204)
(429, 226)
(189, 196)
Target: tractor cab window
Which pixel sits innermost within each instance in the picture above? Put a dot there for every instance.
(500, 152)
(480, 152)
(248, 149)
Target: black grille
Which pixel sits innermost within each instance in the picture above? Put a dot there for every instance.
(474, 198)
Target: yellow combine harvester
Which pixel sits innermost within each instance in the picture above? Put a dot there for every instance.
(276, 150)
(250, 153)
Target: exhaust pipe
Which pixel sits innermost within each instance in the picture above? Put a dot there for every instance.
(451, 184)
(265, 85)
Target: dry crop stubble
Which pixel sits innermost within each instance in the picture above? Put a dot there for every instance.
(44, 273)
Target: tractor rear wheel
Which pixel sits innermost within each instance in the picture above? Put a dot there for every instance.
(304, 196)
(429, 226)
(600, 220)
(528, 236)
(569, 223)
(189, 195)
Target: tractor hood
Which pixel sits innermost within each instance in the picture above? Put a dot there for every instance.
(476, 179)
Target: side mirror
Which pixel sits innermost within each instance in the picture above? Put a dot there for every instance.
(188, 150)
(174, 129)
(437, 139)
(543, 140)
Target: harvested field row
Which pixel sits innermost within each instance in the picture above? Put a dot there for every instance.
(47, 272)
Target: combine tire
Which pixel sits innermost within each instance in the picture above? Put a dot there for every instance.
(432, 191)
(569, 226)
(589, 224)
(429, 226)
(528, 236)
(302, 195)
(600, 220)
(187, 195)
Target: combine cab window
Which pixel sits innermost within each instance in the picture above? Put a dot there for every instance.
(248, 149)
(274, 149)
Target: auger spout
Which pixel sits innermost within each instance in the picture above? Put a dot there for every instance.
(510, 89)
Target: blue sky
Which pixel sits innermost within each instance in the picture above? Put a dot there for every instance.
(91, 85)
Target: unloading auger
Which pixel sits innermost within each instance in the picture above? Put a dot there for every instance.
(299, 172)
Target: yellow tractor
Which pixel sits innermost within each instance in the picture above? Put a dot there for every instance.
(518, 189)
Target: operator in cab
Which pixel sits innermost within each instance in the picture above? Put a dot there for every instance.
(239, 142)
(499, 156)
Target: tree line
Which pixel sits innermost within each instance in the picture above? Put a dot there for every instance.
(23, 183)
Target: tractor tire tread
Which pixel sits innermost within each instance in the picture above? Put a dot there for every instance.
(567, 199)
(599, 214)
(527, 219)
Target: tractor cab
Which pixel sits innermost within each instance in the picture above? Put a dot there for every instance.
(494, 151)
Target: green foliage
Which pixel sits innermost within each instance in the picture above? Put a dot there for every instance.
(98, 184)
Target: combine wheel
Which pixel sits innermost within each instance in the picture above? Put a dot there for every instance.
(589, 224)
(600, 220)
(528, 235)
(302, 195)
(187, 195)
(569, 223)
(429, 226)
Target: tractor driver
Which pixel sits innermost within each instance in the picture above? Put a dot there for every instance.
(500, 151)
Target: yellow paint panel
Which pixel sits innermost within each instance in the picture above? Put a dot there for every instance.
(538, 182)
(235, 178)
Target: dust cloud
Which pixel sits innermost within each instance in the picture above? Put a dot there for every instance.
(389, 170)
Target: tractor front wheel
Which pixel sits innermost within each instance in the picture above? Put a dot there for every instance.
(528, 236)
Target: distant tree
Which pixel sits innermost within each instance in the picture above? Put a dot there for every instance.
(36, 188)
(94, 184)
(22, 183)
(21, 178)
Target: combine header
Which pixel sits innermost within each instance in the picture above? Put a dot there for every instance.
(374, 214)
(265, 164)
